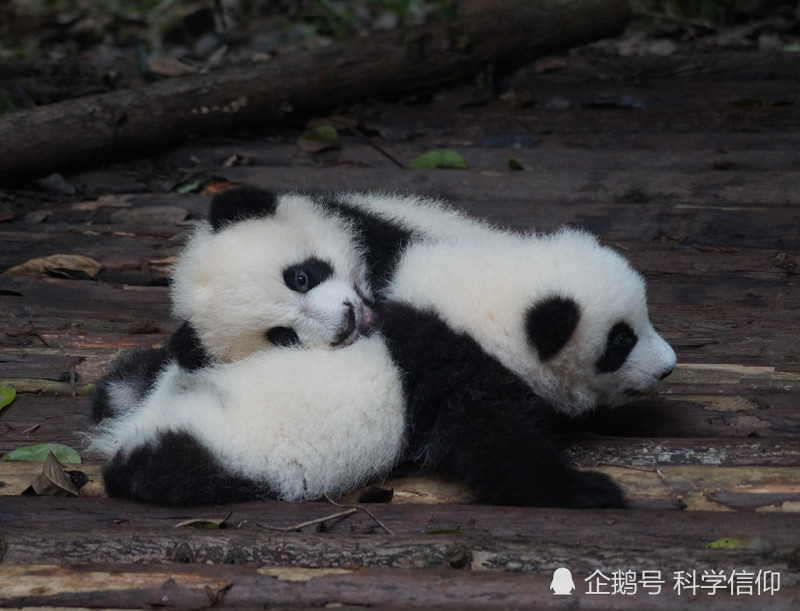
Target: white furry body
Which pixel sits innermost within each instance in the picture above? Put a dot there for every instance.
(431, 218)
(302, 422)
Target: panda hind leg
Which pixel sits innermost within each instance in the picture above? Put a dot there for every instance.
(131, 377)
(175, 469)
(504, 454)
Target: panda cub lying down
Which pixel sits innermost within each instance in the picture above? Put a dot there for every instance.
(492, 335)
(269, 388)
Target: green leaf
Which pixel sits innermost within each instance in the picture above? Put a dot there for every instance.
(318, 139)
(7, 394)
(515, 166)
(322, 133)
(192, 186)
(752, 543)
(38, 453)
(442, 159)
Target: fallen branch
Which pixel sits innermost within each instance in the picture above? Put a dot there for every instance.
(133, 122)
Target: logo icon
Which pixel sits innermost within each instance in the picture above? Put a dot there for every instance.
(562, 584)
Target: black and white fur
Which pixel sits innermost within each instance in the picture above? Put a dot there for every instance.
(499, 335)
(496, 335)
(517, 331)
(292, 424)
(292, 275)
(248, 399)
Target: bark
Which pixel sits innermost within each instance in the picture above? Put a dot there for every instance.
(40, 141)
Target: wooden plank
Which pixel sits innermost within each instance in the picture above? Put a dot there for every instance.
(564, 526)
(182, 586)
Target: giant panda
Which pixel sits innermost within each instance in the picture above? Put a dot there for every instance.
(292, 424)
(502, 338)
(274, 385)
(258, 273)
(500, 335)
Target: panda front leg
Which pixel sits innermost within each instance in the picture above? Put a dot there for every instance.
(503, 453)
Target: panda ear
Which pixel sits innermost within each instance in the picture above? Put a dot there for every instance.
(241, 204)
(550, 323)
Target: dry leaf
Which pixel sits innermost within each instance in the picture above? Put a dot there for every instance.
(202, 523)
(169, 66)
(59, 265)
(53, 481)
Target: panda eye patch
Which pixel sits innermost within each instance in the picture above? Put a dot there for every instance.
(304, 276)
(621, 340)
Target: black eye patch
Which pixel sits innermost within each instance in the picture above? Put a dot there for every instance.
(306, 275)
(550, 323)
(283, 337)
(621, 340)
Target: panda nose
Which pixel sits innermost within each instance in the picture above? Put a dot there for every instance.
(665, 373)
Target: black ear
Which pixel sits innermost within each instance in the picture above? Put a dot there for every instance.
(240, 204)
(185, 347)
(550, 323)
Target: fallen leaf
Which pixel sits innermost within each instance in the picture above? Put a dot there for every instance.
(169, 66)
(751, 543)
(550, 64)
(56, 183)
(318, 139)
(441, 159)
(217, 187)
(104, 201)
(215, 595)
(53, 481)
(202, 523)
(77, 265)
(515, 166)
(40, 452)
(7, 394)
(192, 186)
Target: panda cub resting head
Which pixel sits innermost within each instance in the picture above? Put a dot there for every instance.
(269, 389)
(291, 275)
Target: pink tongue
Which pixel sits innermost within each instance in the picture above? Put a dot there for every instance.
(367, 319)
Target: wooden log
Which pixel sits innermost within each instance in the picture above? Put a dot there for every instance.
(198, 586)
(638, 528)
(453, 550)
(39, 141)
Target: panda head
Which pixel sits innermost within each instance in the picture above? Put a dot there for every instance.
(587, 327)
(266, 270)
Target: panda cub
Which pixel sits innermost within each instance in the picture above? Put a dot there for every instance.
(270, 388)
(517, 332)
(499, 336)
(232, 304)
